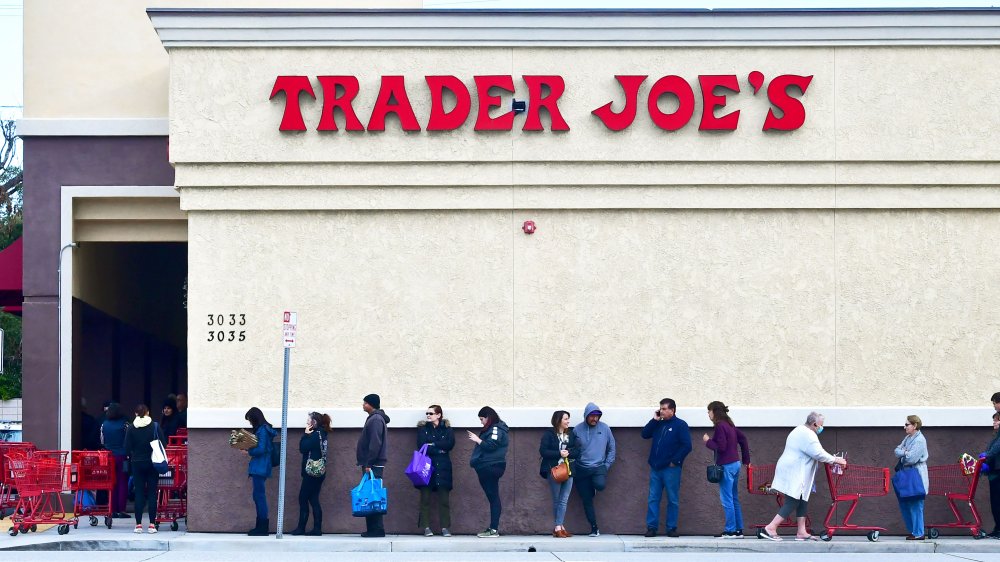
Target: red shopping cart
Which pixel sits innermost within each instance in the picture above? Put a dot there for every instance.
(953, 483)
(759, 478)
(850, 484)
(40, 478)
(91, 472)
(171, 497)
(8, 499)
(179, 438)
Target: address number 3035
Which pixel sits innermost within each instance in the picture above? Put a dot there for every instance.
(219, 322)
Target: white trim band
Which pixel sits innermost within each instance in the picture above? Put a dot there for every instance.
(574, 28)
(403, 418)
(152, 127)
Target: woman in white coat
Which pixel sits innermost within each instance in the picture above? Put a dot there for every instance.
(794, 475)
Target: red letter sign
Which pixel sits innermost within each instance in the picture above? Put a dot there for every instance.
(709, 122)
(447, 121)
(393, 88)
(331, 102)
(536, 102)
(487, 102)
(685, 98)
(777, 93)
(619, 121)
(291, 119)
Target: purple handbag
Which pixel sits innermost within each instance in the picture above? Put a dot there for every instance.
(420, 469)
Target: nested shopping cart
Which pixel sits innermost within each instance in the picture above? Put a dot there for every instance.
(849, 484)
(759, 478)
(956, 484)
(8, 498)
(40, 478)
(171, 498)
(179, 438)
(91, 472)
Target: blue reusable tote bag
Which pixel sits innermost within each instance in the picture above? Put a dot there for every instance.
(369, 497)
(908, 484)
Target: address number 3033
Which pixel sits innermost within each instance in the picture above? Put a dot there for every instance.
(219, 322)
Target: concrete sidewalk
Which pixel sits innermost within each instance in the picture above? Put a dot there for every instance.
(121, 538)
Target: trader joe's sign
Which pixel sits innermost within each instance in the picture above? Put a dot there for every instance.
(786, 112)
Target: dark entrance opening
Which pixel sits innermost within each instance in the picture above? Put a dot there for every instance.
(129, 329)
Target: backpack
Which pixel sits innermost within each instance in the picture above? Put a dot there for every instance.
(275, 453)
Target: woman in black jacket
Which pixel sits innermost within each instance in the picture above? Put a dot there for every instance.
(559, 446)
(436, 433)
(144, 476)
(313, 445)
(489, 459)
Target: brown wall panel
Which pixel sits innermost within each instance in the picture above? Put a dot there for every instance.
(219, 492)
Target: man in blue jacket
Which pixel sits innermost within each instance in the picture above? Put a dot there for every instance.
(671, 443)
(597, 454)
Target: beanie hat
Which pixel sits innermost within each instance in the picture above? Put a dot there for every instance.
(170, 402)
(373, 400)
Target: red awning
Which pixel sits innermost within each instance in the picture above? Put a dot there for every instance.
(11, 273)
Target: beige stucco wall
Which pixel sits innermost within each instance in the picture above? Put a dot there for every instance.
(830, 266)
(102, 58)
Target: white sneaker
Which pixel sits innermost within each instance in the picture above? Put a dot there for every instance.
(151, 529)
(138, 529)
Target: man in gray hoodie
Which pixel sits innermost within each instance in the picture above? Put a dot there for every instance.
(597, 454)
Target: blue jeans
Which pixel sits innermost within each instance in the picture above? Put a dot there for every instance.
(659, 479)
(913, 516)
(260, 496)
(560, 498)
(729, 495)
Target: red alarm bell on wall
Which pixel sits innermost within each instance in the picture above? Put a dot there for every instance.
(528, 227)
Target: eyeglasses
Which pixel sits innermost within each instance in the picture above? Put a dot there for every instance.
(431, 413)
(907, 424)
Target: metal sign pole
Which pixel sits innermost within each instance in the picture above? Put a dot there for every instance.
(284, 447)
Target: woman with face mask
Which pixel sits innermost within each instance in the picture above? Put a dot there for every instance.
(795, 473)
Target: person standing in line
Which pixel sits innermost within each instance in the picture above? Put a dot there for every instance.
(114, 430)
(559, 446)
(795, 474)
(372, 450)
(489, 459)
(182, 406)
(144, 476)
(992, 458)
(169, 420)
(724, 441)
(313, 445)
(671, 444)
(259, 468)
(436, 433)
(597, 454)
(912, 451)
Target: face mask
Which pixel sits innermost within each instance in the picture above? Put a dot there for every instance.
(819, 430)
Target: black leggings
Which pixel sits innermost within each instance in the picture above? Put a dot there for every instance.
(309, 496)
(799, 506)
(145, 479)
(489, 479)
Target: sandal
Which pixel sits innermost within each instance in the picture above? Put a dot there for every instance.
(769, 536)
(809, 538)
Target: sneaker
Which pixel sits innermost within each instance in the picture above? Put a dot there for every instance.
(138, 529)
(650, 532)
(489, 534)
(594, 532)
(445, 532)
(738, 534)
(151, 529)
(722, 535)
(730, 535)
(428, 532)
(373, 534)
(672, 532)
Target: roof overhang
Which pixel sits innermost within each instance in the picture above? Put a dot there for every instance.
(179, 27)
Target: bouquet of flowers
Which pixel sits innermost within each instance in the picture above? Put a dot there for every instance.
(242, 439)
